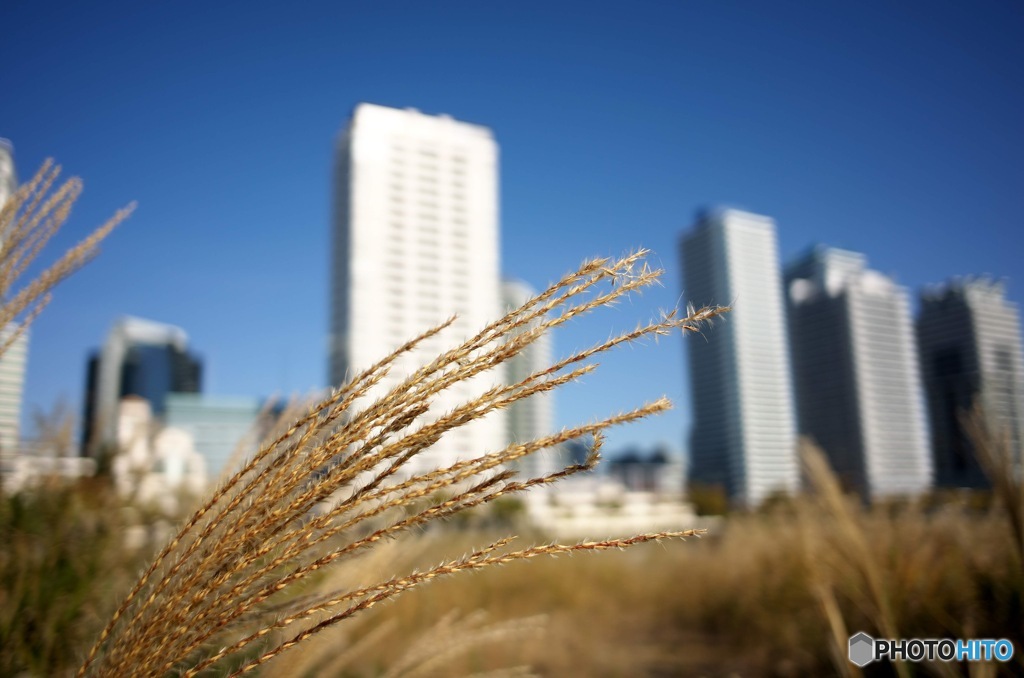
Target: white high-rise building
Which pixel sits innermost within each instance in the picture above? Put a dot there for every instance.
(8, 174)
(415, 241)
(855, 373)
(744, 432)
(532, 417)
(970, 345)
(14, 359)
(12, 387)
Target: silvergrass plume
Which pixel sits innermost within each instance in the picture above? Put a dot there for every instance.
(338, 481)
(451, 637)
(29, 219)
(853, 554)
(995, 452)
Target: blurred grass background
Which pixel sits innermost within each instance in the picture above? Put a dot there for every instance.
(776, 592)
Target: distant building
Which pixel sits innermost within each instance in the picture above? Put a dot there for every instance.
(8, 173)
(659, 471)
(855, 372)
(24, 463)
(157, 465)
(12, 385)
(744, 432)
(139, 358)
(37, 462)
(13, 356)
(582, 507)
(533, 417)
(970, 345)
(224, 429)
(575, 452)
(415, 241)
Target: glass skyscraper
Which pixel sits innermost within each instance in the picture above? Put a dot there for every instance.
(970, 344)
(855, 373)
(140, 358)
(744, 434)
(224, 429)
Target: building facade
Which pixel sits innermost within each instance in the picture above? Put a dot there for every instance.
(415, 241)
(8, 173)
(157, 465)
(855, 373)
(970, 346)
(743, 435)
(13, 349)
(533, 417)
(13, 362)
(659, 470)
(224, 429)
(139, 358)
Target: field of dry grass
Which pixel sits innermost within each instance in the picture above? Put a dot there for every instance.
(769, 594)
(766, 594)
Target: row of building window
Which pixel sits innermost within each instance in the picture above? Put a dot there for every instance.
(458, 241)
(427, 152)
(426, 207)
(398, 223)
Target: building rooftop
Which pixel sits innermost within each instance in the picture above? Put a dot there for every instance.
(972, 287)
(142, 331)
(441, 120)
(718, 214)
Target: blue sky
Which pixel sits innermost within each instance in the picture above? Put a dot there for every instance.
(889, 128)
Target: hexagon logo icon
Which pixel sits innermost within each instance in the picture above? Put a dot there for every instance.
(862, 649)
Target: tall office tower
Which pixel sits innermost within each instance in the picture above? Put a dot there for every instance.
(8, 175)
(14, 358)
(969, 340)
(415, 241)
(533, 417)
(12, 384)
(139, 358)
(855, 372)
(743, 436)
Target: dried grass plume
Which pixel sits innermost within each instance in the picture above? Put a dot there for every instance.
(231, 590)
(29, 219)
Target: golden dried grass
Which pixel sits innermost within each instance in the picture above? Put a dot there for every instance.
(230, 591)
(1001, 462)
(29, 219)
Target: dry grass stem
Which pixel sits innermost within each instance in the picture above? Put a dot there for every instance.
(855, 556)
(28, 221)
(1006, 473)
(233, 582)
(453, 637)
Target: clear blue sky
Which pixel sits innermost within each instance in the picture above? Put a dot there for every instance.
(895, 129)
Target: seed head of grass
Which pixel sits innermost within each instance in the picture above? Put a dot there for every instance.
(230, 591)
(29, 219)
